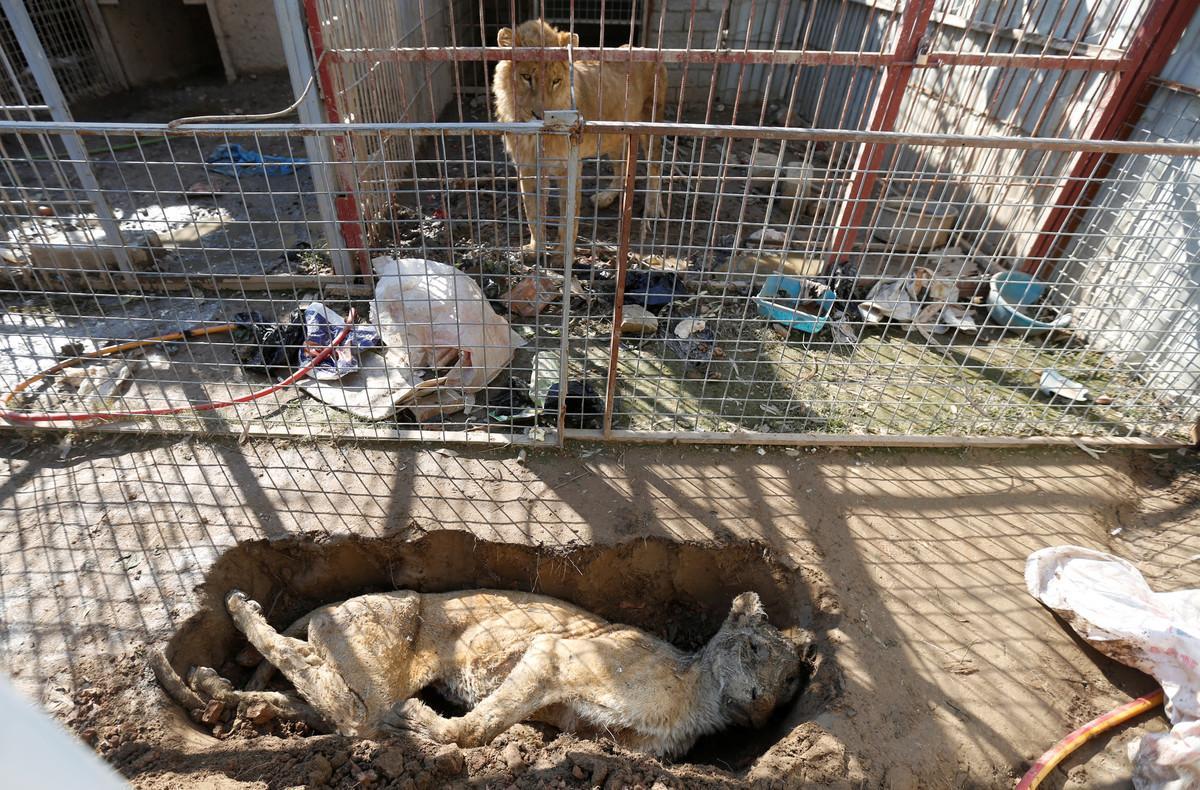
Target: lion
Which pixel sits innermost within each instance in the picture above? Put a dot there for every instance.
(508, 657)
(615, 91)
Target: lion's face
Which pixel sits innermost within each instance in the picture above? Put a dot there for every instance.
(535, 87)
(757, 668)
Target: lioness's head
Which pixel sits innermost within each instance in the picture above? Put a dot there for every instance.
(525, 89)
(756, 667)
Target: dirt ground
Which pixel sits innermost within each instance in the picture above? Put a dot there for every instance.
(933, 666)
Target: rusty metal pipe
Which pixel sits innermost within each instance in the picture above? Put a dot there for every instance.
(614, 345)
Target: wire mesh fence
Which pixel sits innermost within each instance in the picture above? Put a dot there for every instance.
(749, 263)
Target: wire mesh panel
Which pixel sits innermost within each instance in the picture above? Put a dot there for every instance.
(227, 272)
(775, 222)
(73, 36)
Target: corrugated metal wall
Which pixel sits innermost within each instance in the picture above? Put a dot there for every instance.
(1142, 233)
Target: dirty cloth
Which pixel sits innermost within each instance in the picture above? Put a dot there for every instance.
(1108, 603)
(429, 309)
(921, 298)
(321, 328)
(231, 159)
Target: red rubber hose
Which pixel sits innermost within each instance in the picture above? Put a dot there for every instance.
(31, 418)
(1061, 750)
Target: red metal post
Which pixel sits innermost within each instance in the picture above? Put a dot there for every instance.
(346, 201)
(913, 22)
(1156, 39)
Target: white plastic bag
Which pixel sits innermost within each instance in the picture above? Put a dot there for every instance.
(1108, 603)
(431, 309)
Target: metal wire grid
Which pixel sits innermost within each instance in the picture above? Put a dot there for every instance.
(239, 249)
(72, 33)
(455, 199)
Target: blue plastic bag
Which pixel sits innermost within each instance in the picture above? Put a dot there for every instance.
(230, 159)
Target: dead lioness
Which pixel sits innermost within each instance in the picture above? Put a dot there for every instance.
(508, 657)
(617, 91)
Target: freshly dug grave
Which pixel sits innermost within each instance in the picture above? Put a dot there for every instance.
(679, 592)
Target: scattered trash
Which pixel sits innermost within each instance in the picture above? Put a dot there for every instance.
(1103, 400)
(438, 314)
(768, 236)
(532, 295)
(265, 348)
(763, 169)
(383, 384)
(577, 290)
(637, 320)
(920, 299)
(76, 244)
(547, 371)
(795, 303)
(1107, 601)
(1018, 302)
(693, 343)
(1094, 452)
(1056, 385)
(231, 159)
(959, 319)
(103, 385)
(798, 179)
(914, 224)
(584, 408)
(652, 289)
(842, 334)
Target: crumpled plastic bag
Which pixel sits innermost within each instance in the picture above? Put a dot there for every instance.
(429, 309)
(921, 298)
(1108, 603)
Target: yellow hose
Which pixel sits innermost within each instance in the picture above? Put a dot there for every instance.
(1042, 767)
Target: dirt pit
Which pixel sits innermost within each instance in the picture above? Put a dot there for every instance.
(677, 591)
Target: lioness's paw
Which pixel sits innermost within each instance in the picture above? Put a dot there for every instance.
(206, 681)
(605, 199)
(412, 716)
(236, 600)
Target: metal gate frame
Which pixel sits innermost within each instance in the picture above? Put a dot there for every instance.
(55, 103)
